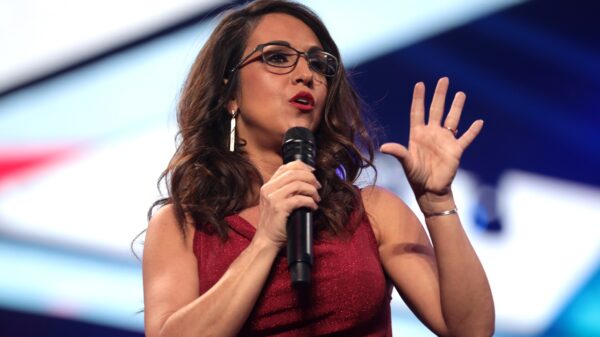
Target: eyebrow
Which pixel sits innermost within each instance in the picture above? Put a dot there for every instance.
(279, 42)
(287, 44)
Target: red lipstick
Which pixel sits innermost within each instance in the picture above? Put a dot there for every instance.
(303, 101)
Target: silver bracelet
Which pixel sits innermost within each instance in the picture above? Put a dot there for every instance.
(452, 211)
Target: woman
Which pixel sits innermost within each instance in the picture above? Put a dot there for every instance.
(213, 259)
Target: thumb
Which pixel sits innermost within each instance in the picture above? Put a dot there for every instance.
(396, 150)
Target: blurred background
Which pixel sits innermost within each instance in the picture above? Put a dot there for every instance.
(87, 97)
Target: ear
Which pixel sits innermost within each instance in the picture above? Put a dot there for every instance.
(232, 105)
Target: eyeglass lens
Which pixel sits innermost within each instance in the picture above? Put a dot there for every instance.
(284, 57)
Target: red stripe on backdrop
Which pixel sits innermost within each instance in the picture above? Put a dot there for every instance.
(17, 160)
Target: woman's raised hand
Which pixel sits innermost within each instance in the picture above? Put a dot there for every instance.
(434, 151)
(292, 186)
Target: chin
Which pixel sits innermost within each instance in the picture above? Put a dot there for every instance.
(303, 123)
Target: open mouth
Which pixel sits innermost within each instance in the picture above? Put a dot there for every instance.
(303, 101)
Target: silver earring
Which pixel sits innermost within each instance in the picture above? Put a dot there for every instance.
(234, 114)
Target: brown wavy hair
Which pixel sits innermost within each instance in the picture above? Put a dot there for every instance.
(207, 182)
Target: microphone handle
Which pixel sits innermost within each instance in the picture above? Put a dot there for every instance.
(300, 246)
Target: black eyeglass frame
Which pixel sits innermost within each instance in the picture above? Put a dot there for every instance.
(306, 55)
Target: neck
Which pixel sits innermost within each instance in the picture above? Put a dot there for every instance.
(265, 161)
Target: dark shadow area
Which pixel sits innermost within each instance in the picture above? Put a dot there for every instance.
(19, 324)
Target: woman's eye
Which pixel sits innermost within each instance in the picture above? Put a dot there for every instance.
(319, 66)
(277, 58)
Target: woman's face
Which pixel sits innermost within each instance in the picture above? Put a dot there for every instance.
(266, 101)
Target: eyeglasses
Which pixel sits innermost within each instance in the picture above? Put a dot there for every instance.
(281, 58)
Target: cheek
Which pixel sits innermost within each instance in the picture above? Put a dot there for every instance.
(260, 89)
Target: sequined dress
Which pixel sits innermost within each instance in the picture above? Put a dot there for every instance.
(349, 295)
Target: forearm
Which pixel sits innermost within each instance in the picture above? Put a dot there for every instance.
(465, 294)
(224, 309)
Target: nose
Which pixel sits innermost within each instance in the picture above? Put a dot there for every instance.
(302, 72)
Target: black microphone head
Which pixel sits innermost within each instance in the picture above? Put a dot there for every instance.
(299, 133)
(299, 143)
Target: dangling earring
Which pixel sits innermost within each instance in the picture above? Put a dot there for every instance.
(234, 114)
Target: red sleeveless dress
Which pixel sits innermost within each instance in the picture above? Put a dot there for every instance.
(349, 295)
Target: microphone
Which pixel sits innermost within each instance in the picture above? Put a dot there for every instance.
(299, 143)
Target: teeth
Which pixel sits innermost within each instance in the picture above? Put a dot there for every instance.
(302, 100)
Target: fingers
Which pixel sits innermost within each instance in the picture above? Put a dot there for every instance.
(417, 107)
(294, 171)
(298, 194)
(296, 164)
(398, 151)
(467, 138)
(293, 185)
(394, 149)
(453, 117)
(436, 111)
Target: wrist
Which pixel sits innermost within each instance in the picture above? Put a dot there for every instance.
(262, 243)
(442, 213)
(432, 204)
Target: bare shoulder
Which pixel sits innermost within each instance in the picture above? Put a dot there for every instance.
(164, 225)
(164, 216)
(381, 203)
(165, 245)
(388, 214)
(375, 197)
